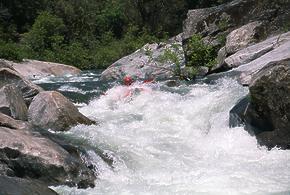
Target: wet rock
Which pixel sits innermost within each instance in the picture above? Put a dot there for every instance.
(17, 186)
(269, 108)
(12, 102)
(172, 83)
(34, 68)
(51, 110)
(7, 121)
(243, 114)
(30, 155)
(270, 98)
(156, 61)
(28, 89)
(243, 37)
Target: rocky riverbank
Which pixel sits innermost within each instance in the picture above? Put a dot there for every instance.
(25, 111)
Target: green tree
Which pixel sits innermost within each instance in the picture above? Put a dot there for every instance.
(47, 33)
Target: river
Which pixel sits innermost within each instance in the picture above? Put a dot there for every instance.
(170, 140)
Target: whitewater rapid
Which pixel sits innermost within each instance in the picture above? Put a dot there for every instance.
(177, 141)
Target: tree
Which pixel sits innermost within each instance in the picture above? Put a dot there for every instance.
(47, 33)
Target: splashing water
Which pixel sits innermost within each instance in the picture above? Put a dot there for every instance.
(178, 143)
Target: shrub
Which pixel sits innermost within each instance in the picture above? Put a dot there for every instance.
(11, 51)
(77, 55)
(172, 57)
(199, 53)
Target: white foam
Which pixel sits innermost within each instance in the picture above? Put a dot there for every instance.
(166, 143)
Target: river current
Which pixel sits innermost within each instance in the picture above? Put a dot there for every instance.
(170, 140)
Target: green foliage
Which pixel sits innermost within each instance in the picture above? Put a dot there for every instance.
(223, 24)
(75, 54)
(111, 49)
(88, 33)
(45, 34)
(286, 27)
(11, 51)
(171, 57)
(200, 54)
(222, 38)
(191, 72)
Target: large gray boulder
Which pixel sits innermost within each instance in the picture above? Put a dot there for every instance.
(12, 102)
(244, 36)
(278, 51)
(257, 50)
(28, 89)
(28, 154)
(35, 68)
(51, 110)
(158, 61)
(267, 114)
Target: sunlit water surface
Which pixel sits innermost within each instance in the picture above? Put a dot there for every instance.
(172, 141)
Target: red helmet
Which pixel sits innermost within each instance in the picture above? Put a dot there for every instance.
(128, 80)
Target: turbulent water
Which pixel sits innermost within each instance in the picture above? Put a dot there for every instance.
(171, 140)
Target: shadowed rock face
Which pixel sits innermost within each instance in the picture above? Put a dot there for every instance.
(27, 154)
(28, 89)
(17, 186)
(51, 110)
(12, 102)
(268, 111)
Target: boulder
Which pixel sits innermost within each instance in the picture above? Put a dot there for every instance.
(12, 102)
(34, 68)
(280, 51)
(215, 23)
(243, 114)
(18, 186)
(243, 37)
(6, 64)
(158, 61)
(51, 110)
(7, 121)
(255, 51)
(268, 110)
(28, 89)
(28, 154)
(220, 65)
